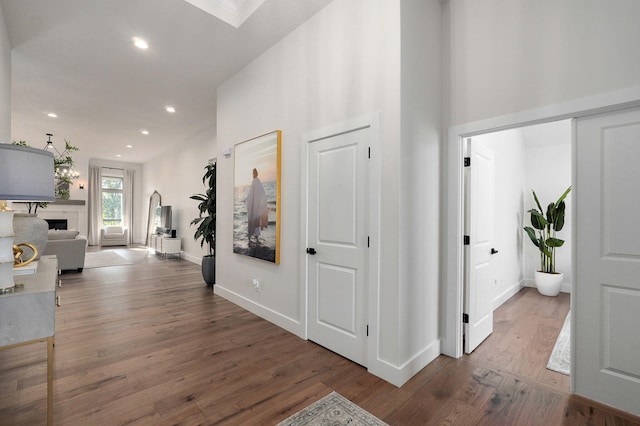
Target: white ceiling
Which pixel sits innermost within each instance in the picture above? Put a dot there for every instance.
(76, 58)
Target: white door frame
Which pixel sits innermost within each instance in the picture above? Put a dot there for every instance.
(453, 261)
(372, 287)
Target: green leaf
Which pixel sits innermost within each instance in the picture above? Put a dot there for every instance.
(554, 242)
(563, 196)
(558, 222)
(532, 235)
(535, 197)
(537, 220)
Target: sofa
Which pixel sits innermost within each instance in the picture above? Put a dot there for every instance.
(114, 236)
(69, 247)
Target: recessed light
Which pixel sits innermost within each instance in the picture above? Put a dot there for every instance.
(144, 132)
(140, 43)
(129, 146)
(170, 109)
(52, 115)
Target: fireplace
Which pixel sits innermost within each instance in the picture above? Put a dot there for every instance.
(57, 223)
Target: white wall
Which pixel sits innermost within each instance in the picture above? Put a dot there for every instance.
(343, 63)
(510, 63)
(419, 257)
(509, 176)
(548, 172)
(509, 56)
(5, 82)
(176, 175)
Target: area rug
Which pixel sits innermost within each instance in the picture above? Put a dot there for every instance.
(560, 359)
(333, 409)
(100, 259)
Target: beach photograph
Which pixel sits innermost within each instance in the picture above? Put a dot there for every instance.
(256, 194)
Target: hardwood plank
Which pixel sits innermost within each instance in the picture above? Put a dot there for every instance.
(149, 344)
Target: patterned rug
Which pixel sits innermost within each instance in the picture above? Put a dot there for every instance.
(100, 259)
(333, 409)
(560, 359)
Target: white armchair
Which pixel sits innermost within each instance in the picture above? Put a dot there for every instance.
(114, 236)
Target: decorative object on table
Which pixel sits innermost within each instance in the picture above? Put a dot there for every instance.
(256, 212)
(333, 409)
(19, 257)
(16, 185)
(29, 228)
(206, 221)
(548, 281)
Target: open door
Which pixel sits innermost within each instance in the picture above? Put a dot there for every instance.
(478, 300)
(606, 351)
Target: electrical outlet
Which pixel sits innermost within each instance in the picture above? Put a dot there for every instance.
(256, 284)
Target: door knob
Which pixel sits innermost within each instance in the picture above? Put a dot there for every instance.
(311, 250)
(494, 251)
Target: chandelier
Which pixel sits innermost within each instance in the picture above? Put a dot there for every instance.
(63, 167)
(63, 161)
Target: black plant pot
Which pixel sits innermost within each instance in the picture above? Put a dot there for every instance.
(209, 269)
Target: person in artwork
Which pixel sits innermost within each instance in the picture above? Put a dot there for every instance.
(257, 212)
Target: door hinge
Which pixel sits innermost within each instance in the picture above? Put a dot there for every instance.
(367, 330)
(368, 241)
(466, 240)
(467, 161)
(369, 153)
(465, 318)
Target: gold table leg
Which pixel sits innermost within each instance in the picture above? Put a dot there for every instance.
(50, 381)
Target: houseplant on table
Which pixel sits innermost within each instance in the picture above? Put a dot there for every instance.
(206, 222)
(548, 281)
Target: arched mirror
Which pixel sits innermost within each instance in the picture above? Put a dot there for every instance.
(155, 201)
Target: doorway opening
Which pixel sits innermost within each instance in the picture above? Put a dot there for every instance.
(500, 259)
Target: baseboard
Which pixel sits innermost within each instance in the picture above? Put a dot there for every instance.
(399, 375)
(289, 324)
(507, 294)
(190, 258)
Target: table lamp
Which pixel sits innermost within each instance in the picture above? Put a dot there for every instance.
(26, 174)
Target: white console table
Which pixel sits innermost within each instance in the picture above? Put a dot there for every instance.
(28, 315)
(165, 245)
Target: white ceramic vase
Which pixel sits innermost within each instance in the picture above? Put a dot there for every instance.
(549, 284)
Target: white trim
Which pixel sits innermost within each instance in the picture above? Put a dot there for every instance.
(508, 294)
(289, 324)
(399, 375)
(371, 121)
(453, 266)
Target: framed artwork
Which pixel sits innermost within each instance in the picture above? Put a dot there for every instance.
(256, 207)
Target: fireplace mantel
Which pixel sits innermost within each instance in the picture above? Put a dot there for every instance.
(60, 201)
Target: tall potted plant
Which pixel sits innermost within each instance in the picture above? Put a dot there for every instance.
(206, 223)
(543, 235)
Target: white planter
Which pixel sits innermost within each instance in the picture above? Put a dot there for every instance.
(549, 284)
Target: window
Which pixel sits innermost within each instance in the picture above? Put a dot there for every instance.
(111, 200)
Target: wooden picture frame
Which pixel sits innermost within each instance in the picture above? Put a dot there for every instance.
(256, 188)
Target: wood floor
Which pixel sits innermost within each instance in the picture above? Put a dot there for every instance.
(148, 344)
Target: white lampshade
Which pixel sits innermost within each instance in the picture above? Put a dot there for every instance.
(26, 174)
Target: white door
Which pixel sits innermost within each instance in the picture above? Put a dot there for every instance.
(607, 290)
(478, 272)
(337, 243)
